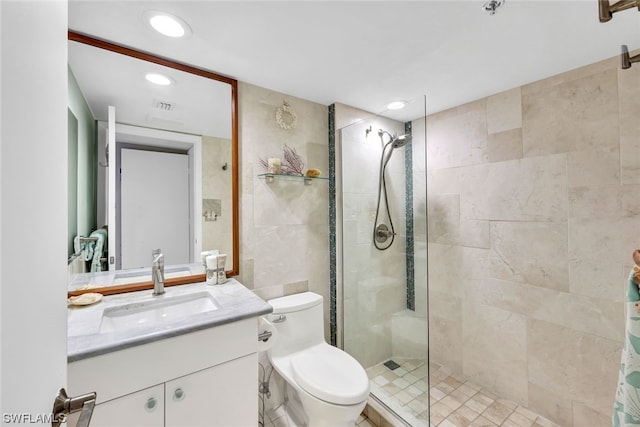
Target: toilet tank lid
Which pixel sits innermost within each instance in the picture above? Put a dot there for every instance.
(295, 302)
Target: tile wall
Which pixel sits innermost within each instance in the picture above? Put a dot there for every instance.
(284, 226)
(217, 186)
(533, 215)
(534, 211)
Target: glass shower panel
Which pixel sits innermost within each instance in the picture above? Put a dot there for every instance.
(384, 288)
(374, 280)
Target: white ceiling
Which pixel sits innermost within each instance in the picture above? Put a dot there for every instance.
(364, 53)
(198, 105)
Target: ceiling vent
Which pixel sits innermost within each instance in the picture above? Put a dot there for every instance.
(163, 105)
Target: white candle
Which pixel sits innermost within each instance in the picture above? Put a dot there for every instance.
(274, 165)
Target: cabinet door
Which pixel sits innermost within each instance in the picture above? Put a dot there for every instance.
(141, 409)
(225, 395)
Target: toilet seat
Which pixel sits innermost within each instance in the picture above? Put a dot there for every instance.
(330, 374)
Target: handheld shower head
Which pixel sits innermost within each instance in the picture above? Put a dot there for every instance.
(401, 140)
(396, 141)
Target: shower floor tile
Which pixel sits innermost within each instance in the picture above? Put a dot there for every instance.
(454, 401)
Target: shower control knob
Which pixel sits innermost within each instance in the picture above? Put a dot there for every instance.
(383, 233)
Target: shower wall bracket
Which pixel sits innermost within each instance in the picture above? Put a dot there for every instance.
(270, 178)
(606, 9)
(492, 6)
(626, 60)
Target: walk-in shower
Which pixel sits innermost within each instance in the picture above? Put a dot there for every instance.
(382, 232)
(382, 281)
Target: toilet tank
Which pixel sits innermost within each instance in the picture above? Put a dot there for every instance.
(299, 321)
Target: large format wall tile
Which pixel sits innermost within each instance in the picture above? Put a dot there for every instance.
(629, 106)
(506, 145)
(445, 330)
(570, 116)
(421, 269)
(586, 416)
(603, 203)
(595, 316)
(509, 296)
(283, 226)
(409, 335)
(419, 207)
(280, 255)
(450, 266)
(495, 350)
(444, 180)
(580, 366)
(504, 111)
(458, 137)
(444, 218)
(529, 252)
(318, 268)
(246, 227)
(598, 249)
(554, 406)
(553, 194)
(520, 190)
(289, 202)
(593, 169)
(474, 233)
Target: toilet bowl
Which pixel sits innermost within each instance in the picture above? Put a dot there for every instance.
(325, 385)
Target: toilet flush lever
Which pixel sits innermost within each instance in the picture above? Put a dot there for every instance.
(281, 318)
(264, 336)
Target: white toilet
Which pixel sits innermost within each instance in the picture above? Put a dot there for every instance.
(325, 385)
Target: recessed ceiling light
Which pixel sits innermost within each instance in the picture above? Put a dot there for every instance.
(396, 105)
(158, 79)
(167, 24)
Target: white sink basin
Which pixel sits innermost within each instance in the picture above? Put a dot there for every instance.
(157, 310)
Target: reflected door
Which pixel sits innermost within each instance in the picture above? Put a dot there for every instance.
(154, 192)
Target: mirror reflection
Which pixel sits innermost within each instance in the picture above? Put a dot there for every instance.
(152, 164)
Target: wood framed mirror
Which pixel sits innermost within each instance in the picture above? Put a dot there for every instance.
(196, 122)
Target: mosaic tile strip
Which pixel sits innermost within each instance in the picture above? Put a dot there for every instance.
(333, 312)
(408, 198)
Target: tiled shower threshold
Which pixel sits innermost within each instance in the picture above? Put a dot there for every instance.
(454, 401)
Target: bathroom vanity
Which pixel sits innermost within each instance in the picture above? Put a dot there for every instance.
(185, 358)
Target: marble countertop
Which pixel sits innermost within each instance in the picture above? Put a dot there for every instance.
(84, 339)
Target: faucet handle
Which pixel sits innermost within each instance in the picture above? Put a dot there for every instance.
(157, 257)
(157, 271)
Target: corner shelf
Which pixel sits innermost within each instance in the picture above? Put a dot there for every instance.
(271, 177)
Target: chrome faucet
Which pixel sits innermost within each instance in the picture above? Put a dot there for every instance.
(157, 271)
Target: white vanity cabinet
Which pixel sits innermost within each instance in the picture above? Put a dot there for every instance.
(144, 408)
(220, 393)
(201, 378)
